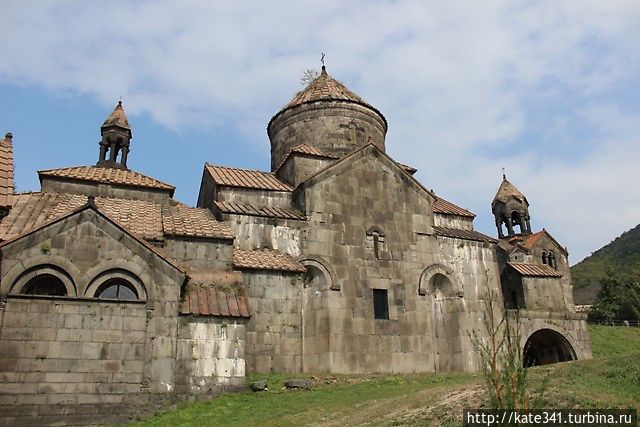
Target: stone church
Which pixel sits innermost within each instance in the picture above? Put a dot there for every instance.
(116, 298)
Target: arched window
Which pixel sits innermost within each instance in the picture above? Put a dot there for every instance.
(545, 259)
(552, 260)
(45, 284)
(117, 288)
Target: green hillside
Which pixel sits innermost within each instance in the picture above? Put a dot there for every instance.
(621, 257)
(610, 380)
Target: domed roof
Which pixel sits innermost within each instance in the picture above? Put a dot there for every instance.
(326, 88)
(117, 118)
(507, 191)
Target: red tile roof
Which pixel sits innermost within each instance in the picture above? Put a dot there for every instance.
(107, 175)
(262, 211)
(444, 207)
(535, 270)
(6, 171)
(527, 242)
(212, 300)
(463, 234)
(530, 241)
(182, 220)
(92, 206)
(245, 178)
(146, 219)
(265, 260)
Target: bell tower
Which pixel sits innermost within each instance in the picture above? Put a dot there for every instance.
(116, 137)
(510, 208)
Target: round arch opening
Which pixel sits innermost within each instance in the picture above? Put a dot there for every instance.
(45, 284)
(547, 346)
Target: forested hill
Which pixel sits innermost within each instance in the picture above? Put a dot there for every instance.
(621, 257)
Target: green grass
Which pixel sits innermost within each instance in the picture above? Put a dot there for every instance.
(611, 341)
(611, 379)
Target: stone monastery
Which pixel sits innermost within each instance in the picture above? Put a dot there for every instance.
(115, 297)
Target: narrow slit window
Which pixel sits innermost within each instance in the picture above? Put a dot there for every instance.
(380, 304)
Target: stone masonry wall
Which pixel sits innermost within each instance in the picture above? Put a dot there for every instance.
(277, 199)
(428, 326)
(453, 221)
(274, 233)
(58, 353)
(79, 352)
(274, 342)
(103, 190)
(299, 167)
(335, 127)
(211, 355)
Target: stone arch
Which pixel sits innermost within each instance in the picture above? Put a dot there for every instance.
(56, 261)
(319, 273)
(136, 271)
(44, 269)
(546, 346)
(117, 273)
(441, 278)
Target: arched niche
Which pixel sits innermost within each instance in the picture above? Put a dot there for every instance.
(319, 274)
(37, 276)
(438, 279)
(547, 346)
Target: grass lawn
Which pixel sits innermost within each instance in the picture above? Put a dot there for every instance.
(611, 379)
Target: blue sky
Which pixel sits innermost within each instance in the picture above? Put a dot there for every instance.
(546, 89)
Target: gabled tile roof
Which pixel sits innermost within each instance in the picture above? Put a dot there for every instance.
(312, 151)
(182, 220)
(106, 175)
(444, 207)
(527, 242)
(146, 219)
(262, 211)
(265, 260)
(245, 178)
(212, 300)
(89, 206)
(6, 171)
(307, 150)
(535, 270)
(463, 234)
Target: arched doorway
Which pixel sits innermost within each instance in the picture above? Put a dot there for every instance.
(446, 309)
(547, 346)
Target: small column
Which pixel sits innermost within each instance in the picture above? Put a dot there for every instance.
(103, 151)
(499, 227)
(509, 227)
(123, 159)
(112, 153)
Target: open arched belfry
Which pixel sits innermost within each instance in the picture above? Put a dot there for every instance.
(117, 297)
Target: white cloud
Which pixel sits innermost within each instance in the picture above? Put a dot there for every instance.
(467, 87)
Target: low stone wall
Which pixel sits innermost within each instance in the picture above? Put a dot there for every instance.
(76, 361)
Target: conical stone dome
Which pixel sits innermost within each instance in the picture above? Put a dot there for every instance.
(508, 191)
(117, 118)
(328, 116)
